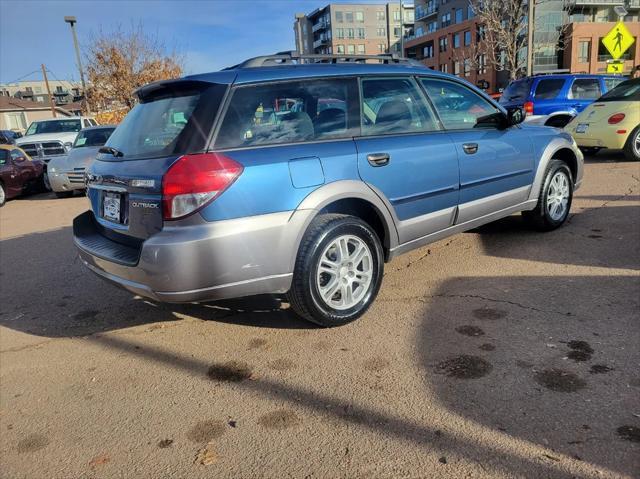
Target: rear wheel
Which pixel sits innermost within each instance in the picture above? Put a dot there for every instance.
(554, 200)
(3, 195)
(632, 146)
(338, 270)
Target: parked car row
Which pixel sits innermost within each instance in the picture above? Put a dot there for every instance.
(18, 173)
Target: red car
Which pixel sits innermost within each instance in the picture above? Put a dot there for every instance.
(18, 172)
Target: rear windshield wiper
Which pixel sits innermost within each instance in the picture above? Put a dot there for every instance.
(111, 150)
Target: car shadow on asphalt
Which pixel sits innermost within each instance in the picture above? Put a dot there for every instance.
(46, 291)
(590, 238)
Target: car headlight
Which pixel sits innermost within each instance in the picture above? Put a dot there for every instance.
(51, 169)
(68, 145)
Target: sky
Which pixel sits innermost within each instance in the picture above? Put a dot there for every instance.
(210, 34)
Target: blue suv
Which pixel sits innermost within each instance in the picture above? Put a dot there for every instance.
(554, 100)
(304, 175)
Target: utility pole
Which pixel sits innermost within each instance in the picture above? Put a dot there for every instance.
(530, 28)
(72, 21)
(401, 30)
(46, 82)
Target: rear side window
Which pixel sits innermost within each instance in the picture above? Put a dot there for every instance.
(585, 89)
(548, 89)
(459, 107)
(611, 83)
(174, 119)
(394, 105)
(627, 91)
(290, 112)
(516, 91)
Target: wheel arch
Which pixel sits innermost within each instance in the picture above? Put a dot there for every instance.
(560, 148)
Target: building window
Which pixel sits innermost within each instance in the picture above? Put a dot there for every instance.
(444, 68)
(482, 33)
(360, 17)
(459, 15)
(467, 38)
(445, 21)
(397, 31)
(432, 27)
(381, 47)
(351, 49)
(396, 15)
(340, 48)
(427, 52)
(382, 32)
(339, 17)
(350, 33)
(583, 51)
(470, 13)
(380, 16)
(442, 44)
(482, 63)
(456, 68)
(360, 32)
(361, 49)
(467, 67)
(339, 32)
(456, 40)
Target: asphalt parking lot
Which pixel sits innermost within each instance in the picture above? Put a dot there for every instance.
(499, 352)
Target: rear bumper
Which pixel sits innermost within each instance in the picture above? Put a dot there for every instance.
(202, 262)
(602, 137)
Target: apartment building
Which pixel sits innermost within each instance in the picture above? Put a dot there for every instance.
(445, 37)
(353, 29)
(63, 92)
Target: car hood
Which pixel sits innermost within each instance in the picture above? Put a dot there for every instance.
(65, 137)
(81, 157)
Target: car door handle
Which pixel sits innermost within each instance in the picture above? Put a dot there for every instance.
(470, 148)
(378, 159)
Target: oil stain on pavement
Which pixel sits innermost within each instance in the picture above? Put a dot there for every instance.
(464, 367)
(205, 431)
(580, 351)
(559, 380)
(468, 330)
(279, 420)
(33, 442)
(232, 371)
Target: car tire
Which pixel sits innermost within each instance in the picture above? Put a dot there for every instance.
(589, 150)
(46, 184)
(632, 146)
(554, 199)
(3, 195)
(338, 270)
(64, 194)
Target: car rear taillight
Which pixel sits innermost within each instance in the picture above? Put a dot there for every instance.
(615, 118)
(528, 108)
(194, 181)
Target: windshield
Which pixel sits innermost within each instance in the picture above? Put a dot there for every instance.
(517, 90)
(627, 91)
(54, 126)
(93, 137)
(175, 120)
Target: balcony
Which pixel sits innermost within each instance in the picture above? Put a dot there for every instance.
(320, 42)
(321, 25)
(425, 12)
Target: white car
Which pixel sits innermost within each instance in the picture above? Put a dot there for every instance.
(47, 139)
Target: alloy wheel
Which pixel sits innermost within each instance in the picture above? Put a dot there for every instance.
(558, 195)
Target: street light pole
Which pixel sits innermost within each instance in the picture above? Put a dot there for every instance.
(530, 27)
(72, 21)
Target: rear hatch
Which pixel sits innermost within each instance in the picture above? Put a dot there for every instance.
(516, 93)
(172, 118)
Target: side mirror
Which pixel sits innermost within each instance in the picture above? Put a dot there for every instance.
(515, 115)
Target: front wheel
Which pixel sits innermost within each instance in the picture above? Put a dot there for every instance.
(554, 200)
(3, 195)
(338, 270)
(632, 146)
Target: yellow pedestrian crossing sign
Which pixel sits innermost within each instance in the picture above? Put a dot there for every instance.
(615, 66)
(618, 40)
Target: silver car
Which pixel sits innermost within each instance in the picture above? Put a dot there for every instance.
(66, 173)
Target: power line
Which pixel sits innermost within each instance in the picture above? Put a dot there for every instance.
(24, 76)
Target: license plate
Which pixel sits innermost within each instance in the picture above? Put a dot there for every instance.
(582, 127)
(111, 207)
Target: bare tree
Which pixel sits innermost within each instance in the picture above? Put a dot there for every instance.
(121, 61)
(505, 33)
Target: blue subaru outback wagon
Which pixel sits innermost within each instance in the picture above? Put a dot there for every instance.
(304, 175)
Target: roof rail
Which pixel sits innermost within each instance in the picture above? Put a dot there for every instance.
(295, 58)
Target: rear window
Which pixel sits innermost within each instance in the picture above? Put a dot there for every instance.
(96, 137)
(627, 91)
(611, 83)
(54, 126)
(175, 119)
(290, 112)
(549, 89)
(585, 89)
(516, 91)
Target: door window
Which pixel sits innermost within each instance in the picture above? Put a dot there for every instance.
(394, 105)
(15, 154)
(459, 107)
(585, 89)
(290, 112)
(548, 89)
